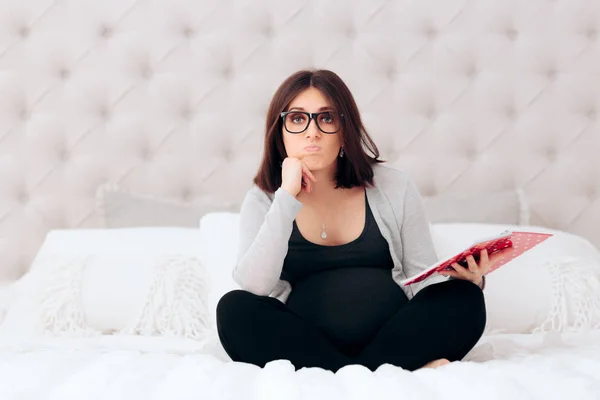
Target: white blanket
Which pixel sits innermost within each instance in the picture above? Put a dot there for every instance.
(544, 366)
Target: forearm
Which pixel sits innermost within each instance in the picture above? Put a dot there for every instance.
(264, 243)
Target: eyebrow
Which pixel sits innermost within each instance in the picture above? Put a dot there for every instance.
(320, 109)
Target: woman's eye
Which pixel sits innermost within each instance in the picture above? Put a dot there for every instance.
(296, 118)
(326, 118)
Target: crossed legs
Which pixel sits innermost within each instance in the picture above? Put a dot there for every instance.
(443, 320)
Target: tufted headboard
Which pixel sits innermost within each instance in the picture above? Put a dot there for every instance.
(169, 97)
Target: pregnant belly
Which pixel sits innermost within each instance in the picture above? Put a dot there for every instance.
(349, 304)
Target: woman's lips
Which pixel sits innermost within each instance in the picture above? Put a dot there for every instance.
(312, 149)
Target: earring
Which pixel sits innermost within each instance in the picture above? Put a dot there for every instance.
(342, 153)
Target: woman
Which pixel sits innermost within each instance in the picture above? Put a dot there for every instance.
(327, 234)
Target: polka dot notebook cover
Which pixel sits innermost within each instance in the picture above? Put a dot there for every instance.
(519, 242)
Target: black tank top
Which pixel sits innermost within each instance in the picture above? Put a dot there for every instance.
(346, 290)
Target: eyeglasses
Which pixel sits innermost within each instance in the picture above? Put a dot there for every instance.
(297, 121)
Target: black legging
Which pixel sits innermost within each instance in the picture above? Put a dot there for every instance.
(443, 320)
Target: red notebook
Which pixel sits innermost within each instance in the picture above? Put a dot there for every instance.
(520, 242)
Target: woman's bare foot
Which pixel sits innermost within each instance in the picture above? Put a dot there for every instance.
(436, 363)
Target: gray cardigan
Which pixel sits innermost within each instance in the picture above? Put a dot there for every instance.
(266, 222)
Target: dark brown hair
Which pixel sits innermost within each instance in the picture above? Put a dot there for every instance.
(355, 168)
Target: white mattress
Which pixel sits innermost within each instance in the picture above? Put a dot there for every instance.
(545, 366)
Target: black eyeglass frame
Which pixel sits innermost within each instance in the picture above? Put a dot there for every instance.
(310, 116)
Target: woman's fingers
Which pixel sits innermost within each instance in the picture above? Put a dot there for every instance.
(307, 178)
(461, 272)
(307, 171)
(474, 271)
(473, 267)
(451, 273)
(465, 273)
(306, 183)
(484, 258)
(484, 262)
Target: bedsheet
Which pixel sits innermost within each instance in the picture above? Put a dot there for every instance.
(544, 366)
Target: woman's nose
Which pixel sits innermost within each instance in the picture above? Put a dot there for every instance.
(312, 130)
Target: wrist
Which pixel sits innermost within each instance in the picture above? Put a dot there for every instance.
(291, 192)
(482, 282)
(288, 203)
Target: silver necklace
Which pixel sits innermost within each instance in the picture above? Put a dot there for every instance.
(323, 225)
(323, 232)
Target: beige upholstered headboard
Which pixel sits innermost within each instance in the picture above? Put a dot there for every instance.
(169, 98)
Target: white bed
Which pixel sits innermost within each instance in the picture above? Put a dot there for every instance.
(540, 366)
(128, 123)
(560, 358)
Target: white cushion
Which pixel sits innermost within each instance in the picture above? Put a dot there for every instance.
(491, 207)
(130, 280)
(121, 208)
(220, 241)
(553, 287)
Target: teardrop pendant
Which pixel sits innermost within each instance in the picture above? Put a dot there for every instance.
(323, 233)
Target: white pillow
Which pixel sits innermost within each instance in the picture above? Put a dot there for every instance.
(497, 207)
(128, 280)
(553, 287)
(220, 241)
(121, 208)
(6, 293)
